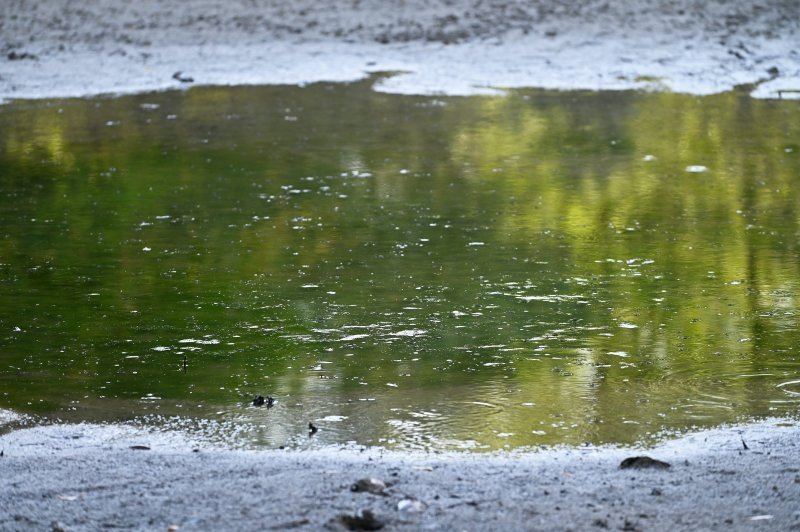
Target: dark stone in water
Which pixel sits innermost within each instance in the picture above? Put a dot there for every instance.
(643, 462)
(260, 401)
(312, 429)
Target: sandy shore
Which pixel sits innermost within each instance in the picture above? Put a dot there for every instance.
(84, 477)
(61, 48)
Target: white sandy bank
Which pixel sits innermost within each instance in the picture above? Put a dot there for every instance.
(66, 48)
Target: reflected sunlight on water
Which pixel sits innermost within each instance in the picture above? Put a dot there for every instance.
(477, 274)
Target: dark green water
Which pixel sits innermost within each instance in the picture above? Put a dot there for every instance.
(402, 271)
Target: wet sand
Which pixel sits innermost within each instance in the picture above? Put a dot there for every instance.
(88, 477)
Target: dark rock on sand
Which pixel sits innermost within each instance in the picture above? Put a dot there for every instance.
(365, 520)
(643, 462)
(183, 79)
(369, 485)
(14, 56)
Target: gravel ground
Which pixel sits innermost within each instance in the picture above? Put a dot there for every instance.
(85, 477)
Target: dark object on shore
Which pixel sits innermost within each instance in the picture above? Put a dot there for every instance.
(643, 462)
(369, 485)
(260, 401)
(140, 447)
(14, 56)
(365, 520)
(313, 430)
(183, 79)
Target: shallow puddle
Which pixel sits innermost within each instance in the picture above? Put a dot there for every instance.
(412, 272)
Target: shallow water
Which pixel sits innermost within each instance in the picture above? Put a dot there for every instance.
(411, 272)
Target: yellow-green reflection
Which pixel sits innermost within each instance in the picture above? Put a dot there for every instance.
(449, 272)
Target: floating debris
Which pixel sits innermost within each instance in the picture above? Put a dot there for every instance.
(140, 447)
(643, 462)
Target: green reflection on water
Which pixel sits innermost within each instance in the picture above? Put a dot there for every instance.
(403, 271)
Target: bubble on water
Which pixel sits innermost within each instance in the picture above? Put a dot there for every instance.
(333, 418)
(649, 158)
(551, 298)
(353, 337)
(212, 341)
(410, 332)
(696, 168)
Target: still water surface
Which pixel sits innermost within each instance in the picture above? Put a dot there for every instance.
(411, 272)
